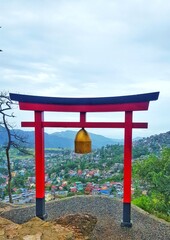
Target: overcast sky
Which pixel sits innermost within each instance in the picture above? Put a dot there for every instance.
(88, 48)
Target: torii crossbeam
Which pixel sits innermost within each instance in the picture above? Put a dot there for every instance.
(126, 104)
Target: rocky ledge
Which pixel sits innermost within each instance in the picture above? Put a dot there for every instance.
(70, 227)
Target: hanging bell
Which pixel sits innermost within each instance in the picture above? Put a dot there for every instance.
(82, 142)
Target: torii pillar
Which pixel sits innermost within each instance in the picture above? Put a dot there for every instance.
(126, 104)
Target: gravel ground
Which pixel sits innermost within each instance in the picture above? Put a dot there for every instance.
(109, 214)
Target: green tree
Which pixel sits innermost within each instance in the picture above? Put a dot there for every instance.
(154, 175)
(18, 181)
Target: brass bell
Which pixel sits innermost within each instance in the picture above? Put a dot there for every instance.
(82, 142)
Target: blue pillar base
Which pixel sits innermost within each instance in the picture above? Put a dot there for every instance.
(40, 208)
(126, 222)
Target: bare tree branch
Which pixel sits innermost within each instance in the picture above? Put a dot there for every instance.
(13, 139)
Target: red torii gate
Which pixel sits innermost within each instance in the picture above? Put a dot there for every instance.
(127, 104)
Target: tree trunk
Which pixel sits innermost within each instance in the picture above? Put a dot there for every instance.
(9, 176)
(8, 159)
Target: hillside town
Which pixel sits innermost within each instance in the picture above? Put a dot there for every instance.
(67, 174)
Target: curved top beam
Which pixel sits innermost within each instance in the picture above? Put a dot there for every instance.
(146, 97)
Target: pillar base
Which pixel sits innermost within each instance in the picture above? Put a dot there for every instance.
(126, 222)
(40, 208)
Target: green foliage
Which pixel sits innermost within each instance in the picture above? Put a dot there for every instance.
(153, 175)
(71, 165)
(144, 202)
(18, 181)
(152, 205)
(76, 179)
(2, 180)
(139, 151)
(116, 178)
(70, 194)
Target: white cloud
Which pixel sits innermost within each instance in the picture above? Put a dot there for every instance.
(87, 48)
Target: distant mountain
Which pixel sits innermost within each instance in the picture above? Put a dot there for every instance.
(64, 139)
(97, 140)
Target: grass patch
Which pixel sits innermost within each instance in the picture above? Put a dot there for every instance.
(150, 205)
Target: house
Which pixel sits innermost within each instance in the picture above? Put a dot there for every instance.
(79, 186)
(72, 173)
(73, 189)
(105, 191)
(79, 172)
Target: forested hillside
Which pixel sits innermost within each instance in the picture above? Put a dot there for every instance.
(151, 145)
